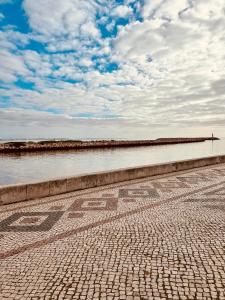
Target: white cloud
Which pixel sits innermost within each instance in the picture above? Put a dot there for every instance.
(39, 64)
(11, 39)
(71, 27)
(89, 29)
(11, 66)
(164, 8)
(150, 7)
(86, 62)
(186, 61)
(171, 64)
(1, 17)
(122, 11)
(66, 16)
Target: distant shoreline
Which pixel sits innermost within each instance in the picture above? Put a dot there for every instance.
(31, 146)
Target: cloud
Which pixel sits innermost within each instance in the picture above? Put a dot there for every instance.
(11, 39)
(162, 66)
(165, 9)
(11, 66)
(178, 60)
(1, 17)
(67, 17)
(122, 11)
(44, 124)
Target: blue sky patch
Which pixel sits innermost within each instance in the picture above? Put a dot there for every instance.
(15, 16)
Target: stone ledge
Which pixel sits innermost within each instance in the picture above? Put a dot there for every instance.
(22, 192)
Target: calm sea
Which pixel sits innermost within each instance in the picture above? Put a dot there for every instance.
(20, 168)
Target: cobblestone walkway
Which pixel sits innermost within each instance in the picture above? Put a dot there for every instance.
(155, 238)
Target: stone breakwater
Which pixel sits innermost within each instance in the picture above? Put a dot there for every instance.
(67, 145)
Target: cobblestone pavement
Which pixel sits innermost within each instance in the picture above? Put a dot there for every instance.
(155, 238)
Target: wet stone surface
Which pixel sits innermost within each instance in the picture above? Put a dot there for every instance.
(156, 238)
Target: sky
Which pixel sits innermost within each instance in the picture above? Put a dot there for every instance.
(112, 68)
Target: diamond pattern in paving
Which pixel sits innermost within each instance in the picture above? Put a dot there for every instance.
(155, 238)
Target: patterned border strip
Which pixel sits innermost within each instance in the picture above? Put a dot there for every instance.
(66, 234)
(103, 188)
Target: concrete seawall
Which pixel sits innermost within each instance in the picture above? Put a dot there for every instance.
(22, 192)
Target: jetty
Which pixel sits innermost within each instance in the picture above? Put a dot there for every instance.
(32, 146)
